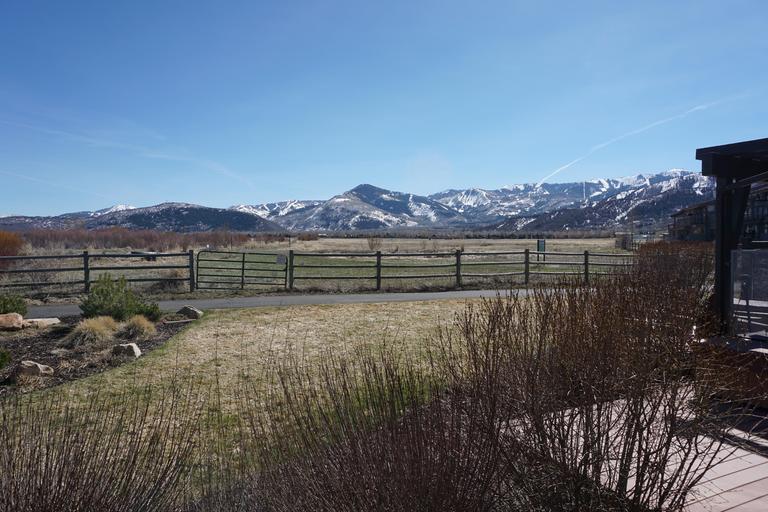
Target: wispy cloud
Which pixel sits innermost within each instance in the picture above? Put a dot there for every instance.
(137, 149)
(602, 145)
(58, 186)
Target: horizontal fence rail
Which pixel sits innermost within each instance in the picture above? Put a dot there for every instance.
(227, 270)
(80, 270)
(448, 268)
(233, 270)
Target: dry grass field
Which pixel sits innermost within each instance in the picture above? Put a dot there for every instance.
(436, 245)
(227, 347)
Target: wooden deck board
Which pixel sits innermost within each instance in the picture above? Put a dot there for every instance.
(738, 484)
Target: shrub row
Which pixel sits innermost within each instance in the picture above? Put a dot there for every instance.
(114, 238)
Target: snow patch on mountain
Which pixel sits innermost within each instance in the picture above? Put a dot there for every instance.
(597, 203)
(112, 209)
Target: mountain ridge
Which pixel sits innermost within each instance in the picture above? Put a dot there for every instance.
(604, 203)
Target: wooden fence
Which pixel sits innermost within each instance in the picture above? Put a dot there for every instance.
(458, 267)
(228, 270)
(80, 270)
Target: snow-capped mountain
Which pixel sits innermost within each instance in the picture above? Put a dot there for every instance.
(601, 203)
(112, 209)
(362, 208)
(180, 217)
(530, 199)
(272, 210)
(645, 199)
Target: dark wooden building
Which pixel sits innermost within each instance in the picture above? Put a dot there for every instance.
(741, 173)
(695, 222)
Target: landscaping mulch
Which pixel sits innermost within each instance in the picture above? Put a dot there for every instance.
(44, 346)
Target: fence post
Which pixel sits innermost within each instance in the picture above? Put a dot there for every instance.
(527, 265)
(378, 270)
(86, 271)
(586, 267)
(458, 268)
(290, 269)
(242, 273)
(191, 270)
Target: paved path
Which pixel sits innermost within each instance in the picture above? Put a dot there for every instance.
(279, 300)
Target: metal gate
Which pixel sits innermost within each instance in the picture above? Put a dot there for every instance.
(227, 270)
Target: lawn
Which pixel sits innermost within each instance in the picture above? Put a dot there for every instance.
(228, 346)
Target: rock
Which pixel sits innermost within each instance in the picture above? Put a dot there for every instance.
(35, 369)
(127, 349)
(11, 322)
(40, 323)
(190, 312)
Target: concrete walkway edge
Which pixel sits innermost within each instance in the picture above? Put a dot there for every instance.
(59, 310)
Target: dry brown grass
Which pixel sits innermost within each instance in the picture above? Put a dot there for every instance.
(137, 328)
(424, 245)
(92, 333)
(228, 347)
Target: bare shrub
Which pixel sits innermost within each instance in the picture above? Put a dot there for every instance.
(137, 327)
(119, 238)
(573, 398)
(369, 433)
(10, 245)
(603, 403)
(113, 453)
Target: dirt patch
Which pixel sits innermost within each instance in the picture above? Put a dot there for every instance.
(44, 346)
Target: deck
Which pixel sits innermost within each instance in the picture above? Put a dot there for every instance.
(740, 482)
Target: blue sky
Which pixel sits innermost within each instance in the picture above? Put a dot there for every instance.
(221, 103)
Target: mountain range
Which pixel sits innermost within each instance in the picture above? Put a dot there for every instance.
(647, 199)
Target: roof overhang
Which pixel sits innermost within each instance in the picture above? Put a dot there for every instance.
(737, 161)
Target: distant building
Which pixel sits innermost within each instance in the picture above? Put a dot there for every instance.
(696, 222)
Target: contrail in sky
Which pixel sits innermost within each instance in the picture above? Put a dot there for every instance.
(54, 185)
(143, 151)
(637, 131)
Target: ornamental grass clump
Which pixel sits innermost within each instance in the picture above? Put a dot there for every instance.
(92, 334)
(136, 327)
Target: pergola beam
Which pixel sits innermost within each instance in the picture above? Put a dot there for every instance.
(736, 167)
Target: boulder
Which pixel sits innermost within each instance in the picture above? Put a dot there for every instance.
(40, 323)
(11, 322)
(127, 349)
(190, 312)
(35, 369)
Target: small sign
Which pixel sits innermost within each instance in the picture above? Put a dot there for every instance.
(281, 259)
(541, 246)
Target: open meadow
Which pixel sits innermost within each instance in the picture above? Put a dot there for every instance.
(552, 398)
